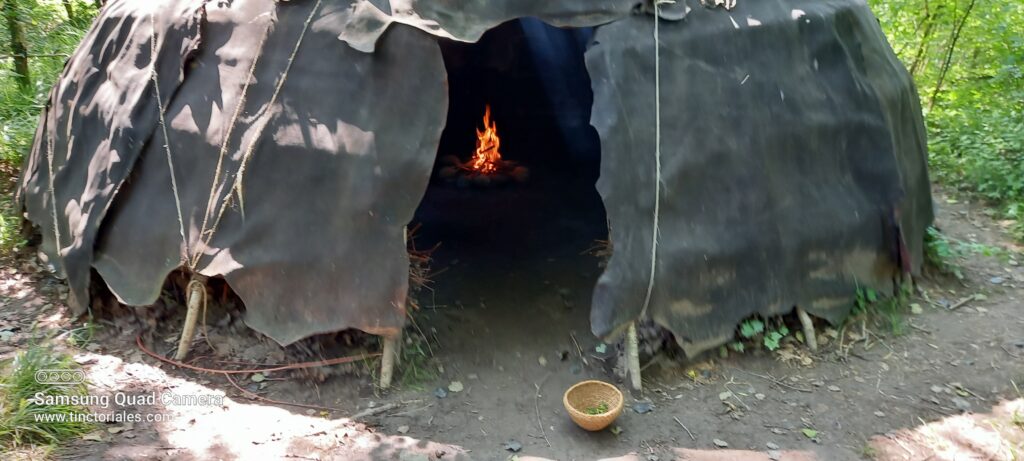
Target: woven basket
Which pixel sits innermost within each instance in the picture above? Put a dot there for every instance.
(589, 394)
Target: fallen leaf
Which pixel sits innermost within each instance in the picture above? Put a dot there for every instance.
(721, 443)
(257, 378)
(455, 386)
(810, 433)
(616, 430)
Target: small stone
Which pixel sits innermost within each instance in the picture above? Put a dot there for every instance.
(817, 383)
(310, 412)
(642, 407)
(833, 388)
(772, 446)
(257, 377)
(455, 386)
(440, 393)
(938, 389)
(724, 395)
(961, 404)
(472, 376)
(542, 361)
(720, 443)
(512, 445)
(760, 396)
(403, 429)
(879, 414)
(916, 309)
(778, 431)
(996, 280)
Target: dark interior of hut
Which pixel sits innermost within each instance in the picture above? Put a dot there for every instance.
(513, 239)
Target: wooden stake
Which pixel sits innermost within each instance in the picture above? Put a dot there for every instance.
(196, 292)
(633, 357)
(808, 324)
(388, 359)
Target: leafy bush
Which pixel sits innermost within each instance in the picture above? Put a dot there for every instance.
(967, 58)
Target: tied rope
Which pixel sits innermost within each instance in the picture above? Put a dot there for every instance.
(657, 156)
(163, 128)
(207, 235)
(191, 257)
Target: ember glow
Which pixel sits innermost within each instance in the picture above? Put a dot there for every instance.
(486, 158)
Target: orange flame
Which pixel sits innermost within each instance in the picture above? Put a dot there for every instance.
(486, 158)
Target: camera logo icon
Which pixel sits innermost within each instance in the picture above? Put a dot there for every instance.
(60, 377)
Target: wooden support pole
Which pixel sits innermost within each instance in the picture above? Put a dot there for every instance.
(808, 324)
(196, 293)
(392, 345)
(633, 357)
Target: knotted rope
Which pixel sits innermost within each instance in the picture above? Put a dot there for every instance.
(196, 287)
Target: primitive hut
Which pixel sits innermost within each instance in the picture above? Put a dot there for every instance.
(752, 159)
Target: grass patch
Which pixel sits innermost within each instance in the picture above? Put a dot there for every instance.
(880, 310)
(18, 413)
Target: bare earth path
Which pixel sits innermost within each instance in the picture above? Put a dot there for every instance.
(889, 397)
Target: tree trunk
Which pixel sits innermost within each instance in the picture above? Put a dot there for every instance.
(955, 35)
(925, 37)
(19, 49)
(70, 9)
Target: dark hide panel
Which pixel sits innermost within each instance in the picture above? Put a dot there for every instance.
(792, 159)
(319, 244)
(98, 118)
(467, 20)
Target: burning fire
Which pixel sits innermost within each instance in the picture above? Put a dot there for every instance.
(486, 158)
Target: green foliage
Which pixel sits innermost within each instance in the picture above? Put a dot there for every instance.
(18, 425)
(750, 328)
(888, 310)
(942, 252)
(967, 58)
(10, 226)
(755, 331)
(598, 409)
(773, 337)
(416, 364)
(50, 36)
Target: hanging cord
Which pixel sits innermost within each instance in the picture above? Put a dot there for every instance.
(196, 288)
(262, 124)
(163, 128)
(211, 202)
(657, 156)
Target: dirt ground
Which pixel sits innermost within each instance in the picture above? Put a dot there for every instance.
(498, 357)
